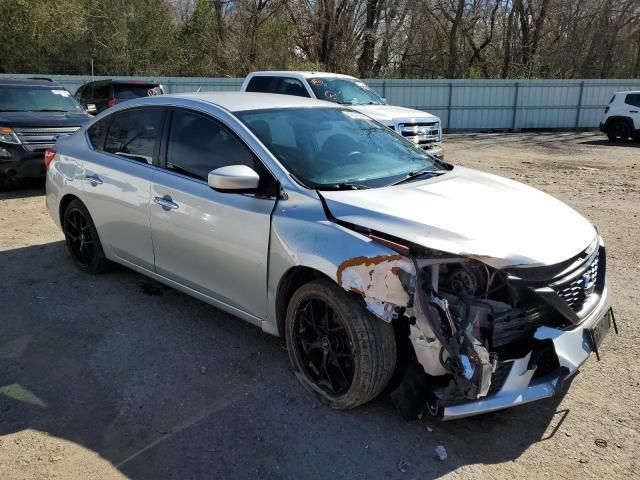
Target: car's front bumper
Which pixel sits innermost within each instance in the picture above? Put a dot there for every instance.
(17, 162)
(572, 348)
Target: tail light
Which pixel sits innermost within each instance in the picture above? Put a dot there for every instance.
(606, 109)
(49, 155)
(111, 102)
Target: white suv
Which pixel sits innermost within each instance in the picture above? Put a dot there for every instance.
(421, 128)
(622, 116)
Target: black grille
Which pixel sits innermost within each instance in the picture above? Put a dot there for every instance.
(499, 377)
(577, 290)
(39, 139)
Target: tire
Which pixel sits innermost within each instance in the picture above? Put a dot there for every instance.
(358, 350)
(83, 242)
(618, 131)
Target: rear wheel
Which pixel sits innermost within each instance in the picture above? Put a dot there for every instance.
(618, 131)
(82, 239)
(337, 348)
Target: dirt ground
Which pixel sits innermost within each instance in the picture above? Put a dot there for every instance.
(114, 376)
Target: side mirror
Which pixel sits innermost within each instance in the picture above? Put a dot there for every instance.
(91, 108)
(234, 178)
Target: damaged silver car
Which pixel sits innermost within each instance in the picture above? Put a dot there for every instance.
(381, 267)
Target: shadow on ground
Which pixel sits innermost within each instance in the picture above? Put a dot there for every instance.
(607, 143)
(164, 386)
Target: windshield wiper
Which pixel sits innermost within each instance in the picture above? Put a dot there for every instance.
(418, 173)
(341, 186)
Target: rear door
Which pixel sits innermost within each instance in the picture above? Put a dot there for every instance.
(118, 180)
(213, 242)
(632, 104)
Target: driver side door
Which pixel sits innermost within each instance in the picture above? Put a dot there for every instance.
(213, 242)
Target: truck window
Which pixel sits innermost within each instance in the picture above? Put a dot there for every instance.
(290, 86)
(260, 84)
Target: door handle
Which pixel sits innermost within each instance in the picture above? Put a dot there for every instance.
(166, 203)
(94, 180)
(633, 111)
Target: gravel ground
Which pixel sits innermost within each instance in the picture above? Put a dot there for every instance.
(115, 376)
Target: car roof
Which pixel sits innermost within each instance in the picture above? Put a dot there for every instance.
(132, 81)
(305, 74)
(243, 101)
(30, 82)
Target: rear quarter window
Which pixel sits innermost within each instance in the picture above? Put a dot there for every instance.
(95, 133)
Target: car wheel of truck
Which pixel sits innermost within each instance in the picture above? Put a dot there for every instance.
(618, 132)
(82, 239)
(337, 348)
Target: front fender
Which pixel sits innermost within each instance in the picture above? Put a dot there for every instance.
(301, 236)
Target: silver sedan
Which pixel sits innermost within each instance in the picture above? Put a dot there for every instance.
(381, 267)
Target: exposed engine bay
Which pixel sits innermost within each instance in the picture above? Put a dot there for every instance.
(468, 324)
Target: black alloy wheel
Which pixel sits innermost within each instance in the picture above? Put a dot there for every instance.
(82, 239)
(324, 347)
(337, 348)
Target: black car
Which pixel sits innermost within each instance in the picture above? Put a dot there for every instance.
(106, 93)
(34, 113)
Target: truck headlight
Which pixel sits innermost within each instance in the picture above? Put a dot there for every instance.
(7, 135)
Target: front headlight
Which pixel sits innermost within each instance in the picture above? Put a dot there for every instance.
(7, 135)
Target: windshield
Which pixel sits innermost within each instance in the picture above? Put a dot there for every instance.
(129, 91)
(345, 91)
(331, 148)
(36, 99)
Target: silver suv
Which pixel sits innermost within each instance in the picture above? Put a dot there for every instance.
(321, 226)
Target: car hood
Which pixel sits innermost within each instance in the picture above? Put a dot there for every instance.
(43, 119)
(498, 221)
(388, 114)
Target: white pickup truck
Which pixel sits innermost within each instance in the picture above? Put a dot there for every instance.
(421, 128)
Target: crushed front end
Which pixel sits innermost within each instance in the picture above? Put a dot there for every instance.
(486, 339)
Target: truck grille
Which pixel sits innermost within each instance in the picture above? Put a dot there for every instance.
(39, 139)
(578, 289)
(420, 133)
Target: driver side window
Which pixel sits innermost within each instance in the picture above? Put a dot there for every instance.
(198, 144)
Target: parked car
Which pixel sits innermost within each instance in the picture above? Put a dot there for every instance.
(322, 226)
(421, 128)
(106, 93)
(621, 118)
(33, 114)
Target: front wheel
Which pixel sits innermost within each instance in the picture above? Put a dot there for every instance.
(337, 348)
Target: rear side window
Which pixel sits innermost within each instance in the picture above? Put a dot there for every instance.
(260, 84)
(129, 92)
(134, 133)
(633, 99)
(198, 144)
(95, 133)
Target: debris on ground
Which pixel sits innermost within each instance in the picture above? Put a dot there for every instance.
(441, 452)
(402, 466)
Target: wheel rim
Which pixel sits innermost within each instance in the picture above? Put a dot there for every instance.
(79, 238)
(323, 346)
